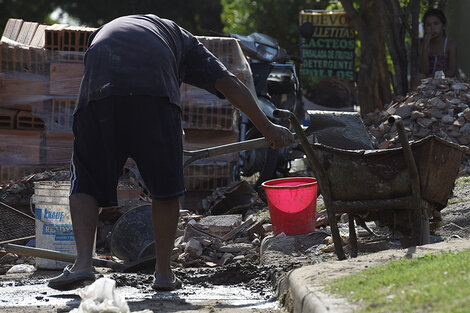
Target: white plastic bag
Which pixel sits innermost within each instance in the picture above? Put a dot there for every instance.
(21, 268)
(100, 297)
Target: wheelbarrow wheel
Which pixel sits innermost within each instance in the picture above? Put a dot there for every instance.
(260, 164)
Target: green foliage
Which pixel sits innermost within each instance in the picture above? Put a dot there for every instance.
(196, 16)
(199, 17)
(279, 19)
(32, 11)
(434, 283)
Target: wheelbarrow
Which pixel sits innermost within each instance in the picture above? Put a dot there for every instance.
(401, 185)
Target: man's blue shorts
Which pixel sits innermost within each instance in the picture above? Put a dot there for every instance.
(108, 131)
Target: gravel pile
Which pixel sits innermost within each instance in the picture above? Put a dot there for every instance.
(439, 106)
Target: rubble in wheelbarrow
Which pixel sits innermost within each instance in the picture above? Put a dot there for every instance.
(438, 106)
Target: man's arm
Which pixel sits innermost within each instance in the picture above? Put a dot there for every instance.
(240, 97)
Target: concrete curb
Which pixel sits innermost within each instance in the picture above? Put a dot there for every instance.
(306, 298)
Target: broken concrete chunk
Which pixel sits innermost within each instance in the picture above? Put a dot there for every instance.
(236, 247)
(256, 229)
(220, 224)
(193, 247)
(9, 258)
(226, 258)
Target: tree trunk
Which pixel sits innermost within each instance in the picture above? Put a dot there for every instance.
(395, 39)
(414, 8)
(374, 80)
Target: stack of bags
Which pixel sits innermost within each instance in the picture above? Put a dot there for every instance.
(40, 72)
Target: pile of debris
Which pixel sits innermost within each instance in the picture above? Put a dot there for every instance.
(218, 240)
(439, 106)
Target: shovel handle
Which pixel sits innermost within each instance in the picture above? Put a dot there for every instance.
(225, 149)
(55, 255)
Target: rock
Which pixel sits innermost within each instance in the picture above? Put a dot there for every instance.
(220, 224)
(448, 119)
(404, 111)
(417, 114)
(226, 258)
(424, 122)
(236, 247)
(465, 129)
(9, 258)
(439, 106)
(466, 114)
(255, 230)
(459, 86)
(437, 103)
(193, 247)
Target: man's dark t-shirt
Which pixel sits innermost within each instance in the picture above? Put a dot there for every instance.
(146, 55)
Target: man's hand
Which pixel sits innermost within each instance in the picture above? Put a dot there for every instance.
(240, 96)
(279, 136)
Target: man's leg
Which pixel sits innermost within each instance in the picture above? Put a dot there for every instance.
(84, 212)
(165, 215)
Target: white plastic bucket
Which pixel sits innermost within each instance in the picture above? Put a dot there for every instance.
(53, 221)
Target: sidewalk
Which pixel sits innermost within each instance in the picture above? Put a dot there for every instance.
(302, 288)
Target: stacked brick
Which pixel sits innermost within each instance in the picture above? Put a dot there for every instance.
(40, 72)
(210, 121)
(41, 67)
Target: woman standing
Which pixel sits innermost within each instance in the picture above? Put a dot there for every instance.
(437, 51)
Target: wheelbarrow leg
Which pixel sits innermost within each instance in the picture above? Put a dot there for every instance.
(338, 243)
(421, 226)
(352, 237)
(420, 223)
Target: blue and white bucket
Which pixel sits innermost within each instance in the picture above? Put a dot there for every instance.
(53, 221)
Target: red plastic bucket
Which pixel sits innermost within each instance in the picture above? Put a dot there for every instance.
(292, 204)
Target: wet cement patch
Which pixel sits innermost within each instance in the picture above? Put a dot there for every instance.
(242, 286)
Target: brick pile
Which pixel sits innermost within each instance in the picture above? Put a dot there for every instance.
(41, 67)
(439, 106)
(40, 72)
